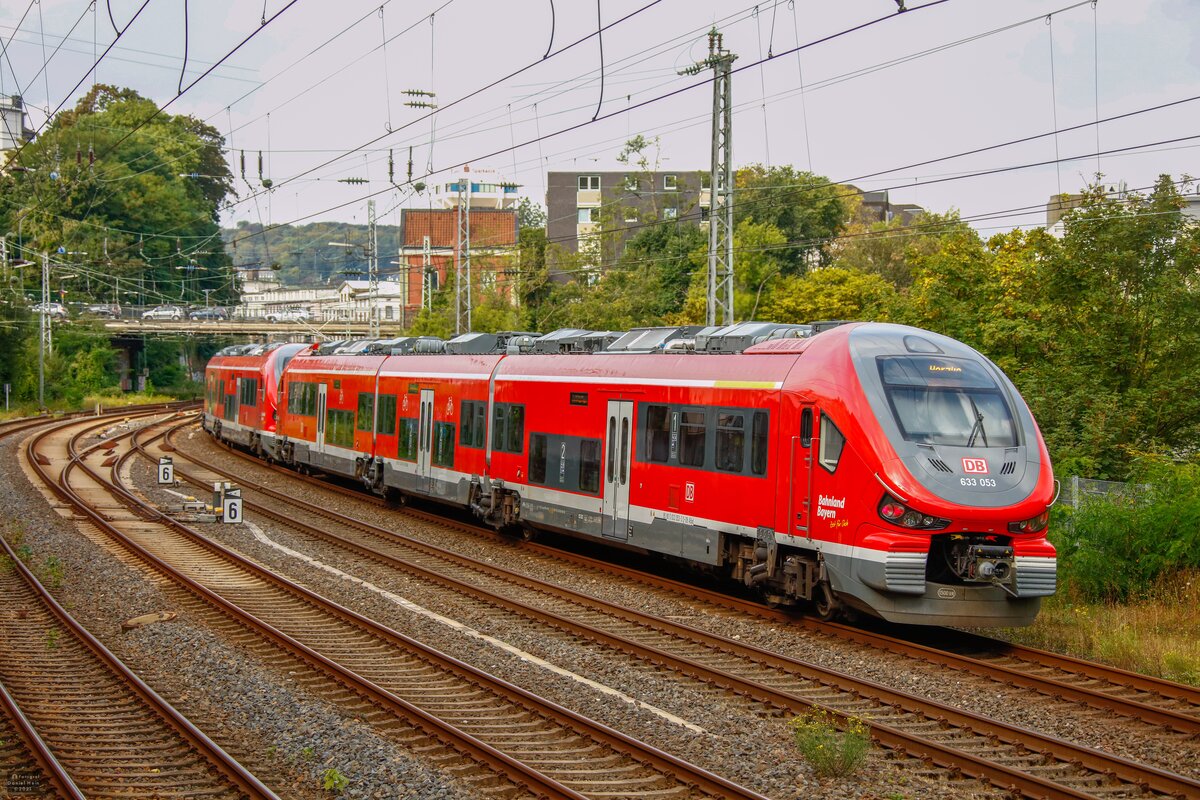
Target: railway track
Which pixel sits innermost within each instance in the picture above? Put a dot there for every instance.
(13, 427)
(1039, 766)
(535, 745)
(1159, 702)
(94, 728)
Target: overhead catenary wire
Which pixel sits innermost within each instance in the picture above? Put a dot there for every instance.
(50, 116)
(585, 123)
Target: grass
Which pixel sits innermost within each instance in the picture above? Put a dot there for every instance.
(832, 752)
(1158, 633)
(88, 403)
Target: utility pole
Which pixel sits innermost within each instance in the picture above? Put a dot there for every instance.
(372, 272)
(44, 330)
(402, 262)
(427, 276)
(720, 224)
(462, 259)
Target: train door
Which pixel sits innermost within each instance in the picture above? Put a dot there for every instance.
(320, 443)
(425, 440)
(619, 448)
(800, 471)
(233, 401)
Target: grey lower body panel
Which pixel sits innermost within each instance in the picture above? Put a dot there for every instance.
(692, 542)
(403, 476)
(978, 606)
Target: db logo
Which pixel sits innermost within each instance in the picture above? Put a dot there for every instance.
(975, 466)
(689, 492)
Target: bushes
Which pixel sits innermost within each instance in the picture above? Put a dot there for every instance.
(1118, 547)
(831, 752)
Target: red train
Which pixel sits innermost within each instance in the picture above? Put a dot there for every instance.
(868, 466)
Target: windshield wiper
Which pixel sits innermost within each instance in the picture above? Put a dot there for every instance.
(977, 428)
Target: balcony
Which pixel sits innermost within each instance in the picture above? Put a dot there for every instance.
(587, 197)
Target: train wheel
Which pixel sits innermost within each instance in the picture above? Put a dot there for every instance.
(826, 604)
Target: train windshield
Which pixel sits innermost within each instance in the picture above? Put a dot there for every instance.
(946, 401)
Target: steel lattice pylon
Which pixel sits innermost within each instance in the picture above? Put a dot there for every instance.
(720, 226)
(462, 259)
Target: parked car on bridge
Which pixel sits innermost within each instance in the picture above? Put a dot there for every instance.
(103, 310)
(288, 315)
(209, 314)
(173, 313)
(54, 310)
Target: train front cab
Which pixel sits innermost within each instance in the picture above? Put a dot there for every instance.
(884, 496)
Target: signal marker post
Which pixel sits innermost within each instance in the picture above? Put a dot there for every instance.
(231, 506)
(166, 471)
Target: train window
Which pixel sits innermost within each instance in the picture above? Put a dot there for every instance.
(387, 414)
(466, 413)
(806, 427)
(537, 458)
(248, 392)
(589, 465)
(508, 428)
(624, 454)
(443, 444)
(366, 411)
(658, 434)
(516, 429)
(406, 447)
(302, 399)
(731, 441)
(474, 423)
(231, 408)
(947, 401)
(612, 446)
(692, 436)
(339, 427)
(759, 443)
(498, 419)
(832, 442)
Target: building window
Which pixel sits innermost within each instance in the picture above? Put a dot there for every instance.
(631, 215)
(670, 213)
(587, 215)
(670, 183)
(589, 182)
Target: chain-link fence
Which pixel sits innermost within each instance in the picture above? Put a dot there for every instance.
(1076, 490)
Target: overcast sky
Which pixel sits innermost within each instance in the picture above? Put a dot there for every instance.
(917, 86)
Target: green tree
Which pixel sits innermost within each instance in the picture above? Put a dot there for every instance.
(97, 184)
(830, 293)
(807, 208)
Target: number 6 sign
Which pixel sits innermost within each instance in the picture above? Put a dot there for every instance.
(166, 471)
(231, 507)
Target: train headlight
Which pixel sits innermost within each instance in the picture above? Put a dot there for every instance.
(1032, 525)
(897, 513)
